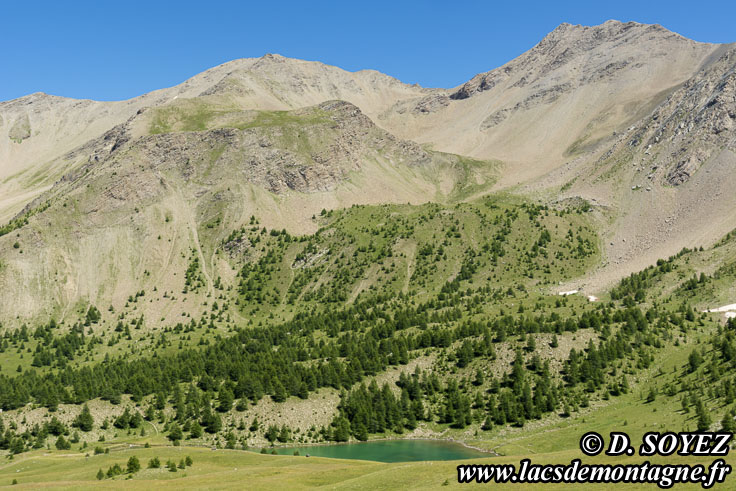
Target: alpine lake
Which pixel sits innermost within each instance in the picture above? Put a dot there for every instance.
(388, 451)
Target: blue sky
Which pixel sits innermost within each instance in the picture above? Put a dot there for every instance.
(117, 50)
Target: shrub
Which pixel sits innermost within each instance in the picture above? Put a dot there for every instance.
(134, 465)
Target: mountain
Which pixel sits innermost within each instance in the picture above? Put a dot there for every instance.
(280, 252)
(151, 192)
(561, 100)
(668, 179)
(38, 130)
(580, 115)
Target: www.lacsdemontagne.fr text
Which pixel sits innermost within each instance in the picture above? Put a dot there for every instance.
(664, 476)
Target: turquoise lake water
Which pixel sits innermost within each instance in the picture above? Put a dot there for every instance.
(389, 451)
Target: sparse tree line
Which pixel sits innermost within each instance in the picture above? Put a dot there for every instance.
(526, 392)
(361, 341)
(347, 251)
(134, 465)
(340, 346)
(708, 376)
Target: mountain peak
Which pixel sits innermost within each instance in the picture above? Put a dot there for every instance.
(585, 49)
(34, 98)
(610, 30)
(274, 57)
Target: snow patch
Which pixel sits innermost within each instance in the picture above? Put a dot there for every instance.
(725, 308)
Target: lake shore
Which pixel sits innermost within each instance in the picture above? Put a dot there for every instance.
(389, 449)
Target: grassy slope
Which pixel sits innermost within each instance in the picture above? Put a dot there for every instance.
(358, 253)
(227, 469)
(550, 443)
(223, 469)
(553, 443)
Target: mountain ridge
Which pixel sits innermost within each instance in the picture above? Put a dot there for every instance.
(544, 123)
(562, 28)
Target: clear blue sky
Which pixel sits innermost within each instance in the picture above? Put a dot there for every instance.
(117, 50)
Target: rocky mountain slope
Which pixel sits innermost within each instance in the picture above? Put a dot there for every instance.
(668, 180)
(37, 130)
(562, 99)
(152, 197)
(633, 118)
